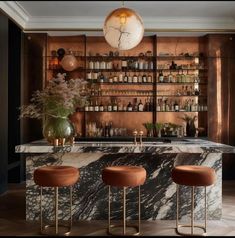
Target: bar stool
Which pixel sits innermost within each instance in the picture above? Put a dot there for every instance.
(56, 176)
(123, 176)
(192, 175)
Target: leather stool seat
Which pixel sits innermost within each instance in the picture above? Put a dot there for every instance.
(193, 175)
(124, 176)
(56, 176)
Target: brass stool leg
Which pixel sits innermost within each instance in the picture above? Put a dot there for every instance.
(109, 211)
(56, 210)
(124, 210)
(192, 209)
(192, 226)
(41, 224)
(123, 225)
(139, 210)
(177, 205)
(71, 204)
(205, 209)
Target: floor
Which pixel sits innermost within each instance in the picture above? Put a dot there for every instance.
(12, 218)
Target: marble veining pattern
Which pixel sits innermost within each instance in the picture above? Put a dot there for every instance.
(158, 195)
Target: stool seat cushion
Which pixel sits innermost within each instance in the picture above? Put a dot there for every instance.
(124, 176)
(56, 176)
(193, 175)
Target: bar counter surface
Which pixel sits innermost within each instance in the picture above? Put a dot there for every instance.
(158, 194)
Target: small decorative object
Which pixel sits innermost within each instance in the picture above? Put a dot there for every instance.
(60, 53)
(69, 62)
(190, 126)
(149, 127)
(123, 28)
(54, 105)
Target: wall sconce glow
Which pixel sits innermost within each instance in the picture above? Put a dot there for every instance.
(123, 29)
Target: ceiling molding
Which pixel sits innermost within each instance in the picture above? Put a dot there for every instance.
(149, 23)
(15, 12)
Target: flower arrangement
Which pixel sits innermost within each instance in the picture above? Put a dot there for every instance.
(59, 99)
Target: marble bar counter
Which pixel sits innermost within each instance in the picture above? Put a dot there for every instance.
(158, 194)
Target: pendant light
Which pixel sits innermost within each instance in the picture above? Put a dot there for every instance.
(123, 28)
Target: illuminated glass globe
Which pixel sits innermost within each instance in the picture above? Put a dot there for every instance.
(69, 62)
(123, 29)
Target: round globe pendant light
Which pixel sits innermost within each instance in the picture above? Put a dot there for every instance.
(123, 28)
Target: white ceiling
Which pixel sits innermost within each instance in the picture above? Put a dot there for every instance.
(157, 15)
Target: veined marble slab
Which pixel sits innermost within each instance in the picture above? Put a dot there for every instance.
(184, 146)
(158, 194)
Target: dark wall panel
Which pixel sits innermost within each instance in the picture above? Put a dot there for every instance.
(3, 102)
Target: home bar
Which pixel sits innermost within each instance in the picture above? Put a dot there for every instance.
(117, 128)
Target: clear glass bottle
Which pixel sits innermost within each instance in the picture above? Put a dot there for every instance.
(140, 106)
(160, 77)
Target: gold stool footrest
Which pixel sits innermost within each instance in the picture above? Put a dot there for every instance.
(132, 234)
(190, 234)
(46, 227)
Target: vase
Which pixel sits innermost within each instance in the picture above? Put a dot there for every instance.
(190, 129)
(58, 128)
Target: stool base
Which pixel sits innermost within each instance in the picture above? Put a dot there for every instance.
(109, 232)
(190, 234)
(44, 230)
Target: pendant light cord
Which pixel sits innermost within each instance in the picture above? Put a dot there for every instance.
(122, 3)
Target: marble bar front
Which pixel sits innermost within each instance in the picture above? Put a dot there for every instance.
(158, 194)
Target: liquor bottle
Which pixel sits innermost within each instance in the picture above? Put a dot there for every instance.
(120, 107)
(170, 77)
(115, 107)
(124, 64)
(97, 65)
(139, 78)
(101, 108)
(140, 106)
(125, 78)
(163, 106)
(91, 65)
(183, 77)
(89, 75)
(150, 64)
(158, 108)
(110, 78)
(146, 106)
(96, 106)
(101, 78)
(106, 129)
(115, 78)
(144, 78)
(120, 77)
(135, 78)
(193, 109)
(176, 106)
(91, 108)
(110, 129)
(129, 78)
(110, 107)
(167, 106)
(129, 107)
(135, 105)
(187, 90)
(161, 77)
(102, 64)
(95, 77)
(150, 104)
(149, 78)
(172, 107)
(86, 109)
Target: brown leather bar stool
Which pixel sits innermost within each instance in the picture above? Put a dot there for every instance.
(192, 175)
(56, 176)
(123, 176)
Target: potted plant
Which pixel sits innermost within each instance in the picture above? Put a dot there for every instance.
(54, 104)
(149, 127)
(158, 127)
(190, 126)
